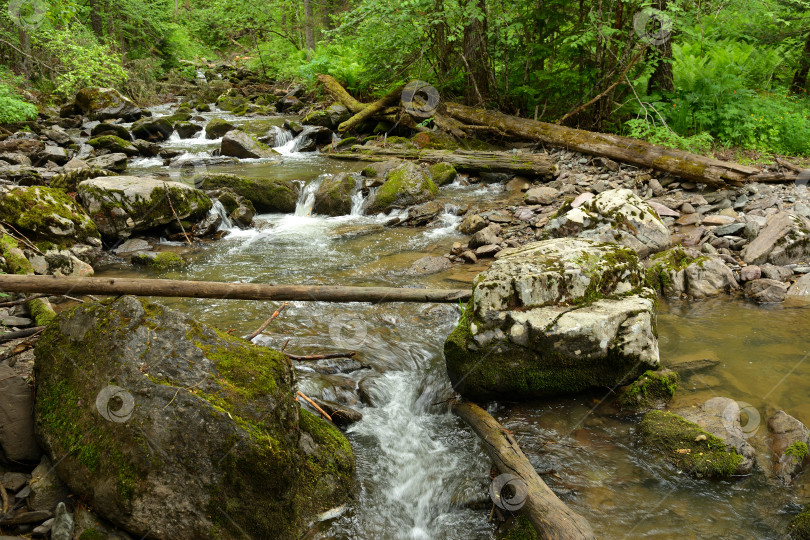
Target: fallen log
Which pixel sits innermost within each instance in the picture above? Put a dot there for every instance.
(463, 160)
(225, 291)
(337, 91)
(550, 517)
(371, 110)
(685, 165)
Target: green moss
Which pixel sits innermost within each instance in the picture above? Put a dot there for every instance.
(688, 446)
(798, 450)
(369, 172)
(266, 194)
(664, 266)
(41, 311)
(398, 183)
(160, 262)
(111, 142)
(16, 263)
(43, 212)
(650, 390)
(800, 526)
(442, 173)
(91, 534)
(522, 529)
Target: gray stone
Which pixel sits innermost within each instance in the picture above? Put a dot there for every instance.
(766, 291)
(10, 320)
(54, 153)
(472, 224)
(487, 235)
(429, 265)
(789, 443)
(106, 104)
(616, 215)
(487, 250)
(114, 162)
(469, 256)
(750, 273)
(779, 273)
(241, 145)
(132, 245)
(62, 528)
(14, 481)
(152, 129)
(801, 287)
(728, 230)
(541, 195)
(554, 317)
(16, 420)
(685, 271)
(47, 490)
(785, 239)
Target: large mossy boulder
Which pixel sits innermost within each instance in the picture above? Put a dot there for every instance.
(152, 129)
(405, 185)
(121, 205)
(800, 526)
(330, 117)
(682, 271)
(785, 239)
(334, 194)
(239, 144)
(554, 317)
(105, 104)
(266, 194)
(171, 429)
(113, 144)
(615, 215)
(47, 215)
(705, 441)
(217, 127)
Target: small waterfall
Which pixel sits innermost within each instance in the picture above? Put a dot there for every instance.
(219, 209)
(174, 137)
(282, 136)
(306, 199)
(358, 201)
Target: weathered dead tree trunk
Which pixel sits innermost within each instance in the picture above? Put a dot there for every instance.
(337, 91)
(685, 165)
(549, 515)
(225, 291)
(371, 110)
(463, 160)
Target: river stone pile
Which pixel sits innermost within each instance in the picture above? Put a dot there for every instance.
(554, 317)
(171, 429)
(122, 205)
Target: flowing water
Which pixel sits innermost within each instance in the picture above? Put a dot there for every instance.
(421, 474)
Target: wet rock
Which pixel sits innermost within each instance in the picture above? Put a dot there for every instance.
(122, 205)
(616, 215)
(429, 265)
(331, 117)
(653, 390)
(103, 128)
(405, 185)
(789, 440)
(187, 130)
(705, 442)
(105, 104)
(217, 127)
(266, 194)
(114, 144)
(342, 416)
(62, 528)
(334, 195)
(750, 273)
(208, 226)
(554, 317)
(377, 171)
(541, 195)
(17, 439)
(766, 291)
(159, 261)
(113, 162)
(442, 173)
(487, 250)
(486, 236)
(47, 489)
(779, 273)
(146, 148)
(422, 215)
(472, 224)
(243, 215)
(156, 461)
(152, 129)
(469, 256)
(785, 239)
(680, 271)
(801, 287)
(241, 145)
(47, 214)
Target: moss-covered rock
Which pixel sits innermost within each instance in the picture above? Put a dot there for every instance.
(680, 271)
(800, 526)
(442, 173)
(334, 195)
(121, 205)
(110, 129)
(650, 391)
(331, 117)
(239, 144)
(105, 104)
(187, 130)
(554, 317)
(41, 311)
(159, 262)
(217, 127)
(266, 194)
(689, 447)
(521, 529)
(405, 185)
(183, 431)
(43, 213)
(15, 261)
(112, 143)
(152, 129)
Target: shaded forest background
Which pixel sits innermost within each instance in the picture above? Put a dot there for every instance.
(700, 75)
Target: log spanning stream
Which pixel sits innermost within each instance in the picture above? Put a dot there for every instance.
(421, 472)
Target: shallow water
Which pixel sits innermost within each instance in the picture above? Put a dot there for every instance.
(419, 468)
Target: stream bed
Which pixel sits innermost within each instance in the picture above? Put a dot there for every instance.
(421, 473)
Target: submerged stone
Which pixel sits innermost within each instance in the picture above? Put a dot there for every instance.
(650, 391)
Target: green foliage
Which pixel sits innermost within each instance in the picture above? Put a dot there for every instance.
(12, 107)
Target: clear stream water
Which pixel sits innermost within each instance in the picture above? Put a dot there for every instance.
(420, 471)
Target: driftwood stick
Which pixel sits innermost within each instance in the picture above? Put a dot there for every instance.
(171, 205)
(371, 110)
(321, 356)
(21, 300)
(550, 517)
(266, 323)
(225, 291)
(4, 496)
(17, 334)
(323, 412)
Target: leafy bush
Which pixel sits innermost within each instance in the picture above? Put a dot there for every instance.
(12, 107)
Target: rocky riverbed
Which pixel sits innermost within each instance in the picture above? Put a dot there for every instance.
(124, 418)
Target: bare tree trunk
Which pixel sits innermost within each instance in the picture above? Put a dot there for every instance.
(25, 46)
(95, 19)
(309, 29)
(476, 58)
(662, 78)
(799, 83)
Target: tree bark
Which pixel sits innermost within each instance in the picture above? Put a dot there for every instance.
(225, 291)
(339, 93)
(551, 518)
(662, 78)
(524, 164)
(476, 58)
(799, 83)
(309, 28)
(95, 19)
(371, 110)
(688, 166)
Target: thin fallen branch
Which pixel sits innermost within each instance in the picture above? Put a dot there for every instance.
(321, 356)
(21, 300)
(171, 205)
(22, 237)
(17, 334)
(266, 323)
(4, 496)
(323, 412)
